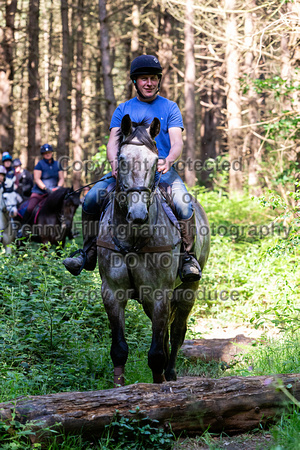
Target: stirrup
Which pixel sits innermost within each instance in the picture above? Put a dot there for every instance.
(83, 254)
(192, 276)
(19, 234)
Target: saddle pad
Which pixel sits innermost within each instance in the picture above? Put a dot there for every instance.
(23, 208)
(35, 212)
(38, 208)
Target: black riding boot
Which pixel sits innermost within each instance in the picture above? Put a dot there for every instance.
(87, 257)
(190, 269)
(26, 220)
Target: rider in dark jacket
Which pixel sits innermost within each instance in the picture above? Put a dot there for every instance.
(10, 172)
(24, 180)
(2, 178)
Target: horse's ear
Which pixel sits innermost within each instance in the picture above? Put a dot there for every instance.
(126, 125)
(154, 127)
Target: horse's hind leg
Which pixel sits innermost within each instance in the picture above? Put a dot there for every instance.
(183, 301)
(115, 310)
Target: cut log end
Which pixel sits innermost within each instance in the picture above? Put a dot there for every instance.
(225, 350)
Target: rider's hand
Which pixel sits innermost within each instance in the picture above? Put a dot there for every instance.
(163, 165)
(114, 168)
(49, 191)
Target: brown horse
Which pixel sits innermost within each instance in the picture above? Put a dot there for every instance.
(53, 223)
(139, 255)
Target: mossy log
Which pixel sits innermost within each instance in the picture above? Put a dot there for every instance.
(190, 404)
(224, 350)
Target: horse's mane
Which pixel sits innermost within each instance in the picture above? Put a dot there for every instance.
(55, 200)
(141, 133)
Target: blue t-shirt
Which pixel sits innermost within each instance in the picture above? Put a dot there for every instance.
(165, 110)
(49, 176)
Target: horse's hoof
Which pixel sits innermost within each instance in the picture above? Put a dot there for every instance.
(171, 375)
(158, 378)
(119, 376)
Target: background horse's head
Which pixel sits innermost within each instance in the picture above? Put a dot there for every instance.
(62, 205)
(69, 207)
(8, 210)
(137, 161)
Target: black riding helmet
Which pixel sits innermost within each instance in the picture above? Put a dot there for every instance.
(46, 148)
(145, 65)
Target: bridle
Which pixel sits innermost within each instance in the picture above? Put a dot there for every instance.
(6, 209)
(151, 191)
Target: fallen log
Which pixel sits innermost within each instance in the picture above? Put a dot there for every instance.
(224, 350)
(230, 404)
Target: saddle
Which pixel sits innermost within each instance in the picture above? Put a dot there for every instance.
(35, 213)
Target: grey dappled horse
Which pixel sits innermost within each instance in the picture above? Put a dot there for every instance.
(139, 255)
(9, 202)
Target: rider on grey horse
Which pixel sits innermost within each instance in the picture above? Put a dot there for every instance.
(2, 178)
(10, 178)
(145, 73)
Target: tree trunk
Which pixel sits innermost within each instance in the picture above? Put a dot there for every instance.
(224, 350)
(212, 100)
(252, 142)
(191, 405)
(132, 47)
(135, 39)
(165, 54)
(7, 77)
(189, 93)
(64, 116)
(78, 100)
(234, 118)
(34, 120)
(98, 114)
(106, 63)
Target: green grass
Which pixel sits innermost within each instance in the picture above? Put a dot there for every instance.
(286, 433)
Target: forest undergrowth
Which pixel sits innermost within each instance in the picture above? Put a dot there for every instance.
(54, 333)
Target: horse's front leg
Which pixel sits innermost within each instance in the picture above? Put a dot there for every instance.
(115, 309)
(158, 353)
(182, 304)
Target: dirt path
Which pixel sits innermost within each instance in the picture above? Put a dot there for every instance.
(216, 329)
(257, 441)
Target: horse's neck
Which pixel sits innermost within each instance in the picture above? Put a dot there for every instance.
(3, 216)
(2, 203)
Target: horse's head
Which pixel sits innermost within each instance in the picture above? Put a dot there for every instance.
(137, 161)
(61, 203)
(11, 200)
(70, 205)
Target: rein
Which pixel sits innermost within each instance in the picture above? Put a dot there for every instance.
(80, 189)
(140, 247)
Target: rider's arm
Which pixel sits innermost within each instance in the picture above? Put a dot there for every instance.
(176, 141)
(112, 150)
(37, 175)
(61, 178)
